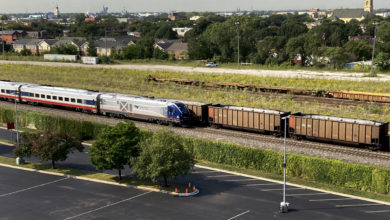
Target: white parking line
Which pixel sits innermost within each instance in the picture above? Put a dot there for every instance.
(265, 190)
(322, 200)
(239, 215)
(33, 187)
(115, 203)
(358, 205)
(306, 194)
(221, 175)
(261, 184)
(240, 180)
(379, 211)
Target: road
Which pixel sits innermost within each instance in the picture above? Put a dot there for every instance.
(352, 76)
(223, 195)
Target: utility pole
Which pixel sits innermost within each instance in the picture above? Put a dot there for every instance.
(284, 205)
(16, 118)
(2, 40)
(238, 43)
(373, 49)
(105, 40)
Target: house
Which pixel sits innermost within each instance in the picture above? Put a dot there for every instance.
(181, 31)
(173, 47)
(176, 16)
(26, 43)
(76, 41)
(37, 34)
(10, 36)
(105, 45)
(134, 34)
(45, 45)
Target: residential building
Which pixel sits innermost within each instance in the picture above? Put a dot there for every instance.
(105, 45)
(37, 34)
(181, 31)
(76, 41)
(45, 45)
(173, 47)
(10, 36)
(26, 43)
(134, 34)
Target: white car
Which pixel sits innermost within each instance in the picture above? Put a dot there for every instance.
(211, 64)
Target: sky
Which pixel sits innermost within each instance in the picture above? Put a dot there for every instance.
(66, 6)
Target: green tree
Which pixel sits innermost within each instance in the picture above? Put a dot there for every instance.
(25, 52)
(382, 60)
(132, 52)
(68, 49)
(53, 146)
(159, 54)
(91, 50)
(359, 49)
(115, 147)
(162, 156)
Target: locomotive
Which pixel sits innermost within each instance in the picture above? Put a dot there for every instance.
(356, 132)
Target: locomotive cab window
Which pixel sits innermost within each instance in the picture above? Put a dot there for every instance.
(72, 100)
(66, 99)
(79, 101)
(48, 97)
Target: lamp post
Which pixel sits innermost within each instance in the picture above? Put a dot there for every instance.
(284, 205)
(373, 48)
(19, 160)
(2, 40)
(238, 43)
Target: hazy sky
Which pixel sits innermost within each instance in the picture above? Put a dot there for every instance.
(30, 6)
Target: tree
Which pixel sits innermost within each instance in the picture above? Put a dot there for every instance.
(360, 49)
(159, 54)
(53, 146)
(91, 50)
(25, 52)
(132, 52)
(115, 147)
(69, 49)
(162, 156)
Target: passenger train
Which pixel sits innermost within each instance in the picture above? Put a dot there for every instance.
(356, 132)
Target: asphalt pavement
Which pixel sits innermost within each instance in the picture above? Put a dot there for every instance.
(223, 195)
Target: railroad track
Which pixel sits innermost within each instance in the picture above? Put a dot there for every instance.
(304, 144)
(305, 147)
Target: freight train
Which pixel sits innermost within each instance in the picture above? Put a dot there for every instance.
(356, 132)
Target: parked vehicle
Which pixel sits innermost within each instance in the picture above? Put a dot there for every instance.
(60, 57)
(211, 64)
(90, 60)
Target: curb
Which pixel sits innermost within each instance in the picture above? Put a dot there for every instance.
(145, 188)
(296, 185)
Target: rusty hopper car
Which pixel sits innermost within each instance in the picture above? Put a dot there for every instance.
(363, 133)
(259, 120)
(198, 110)
(363, 96)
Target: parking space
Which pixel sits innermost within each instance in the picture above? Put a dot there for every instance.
(224, 195)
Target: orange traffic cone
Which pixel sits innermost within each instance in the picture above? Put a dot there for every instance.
(176, 191)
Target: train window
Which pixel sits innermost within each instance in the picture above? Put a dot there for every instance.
(42, 96)
(36, 95)
(60, 98)
(8, 91)
(54, 97)
(3, 91)
(48, 96)
(32, 94)
(66, 99)
(72, 100)
(79, 101)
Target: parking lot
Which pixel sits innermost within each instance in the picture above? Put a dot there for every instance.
(26, 195)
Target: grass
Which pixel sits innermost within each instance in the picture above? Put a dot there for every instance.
(93, 175)
(369, 195)
(133, 82)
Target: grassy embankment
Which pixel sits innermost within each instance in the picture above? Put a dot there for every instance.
(133, 82)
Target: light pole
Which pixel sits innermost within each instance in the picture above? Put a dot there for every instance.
(19, 160)
(284, 205)
(373, 48)
(2, 40)
(238, 43)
